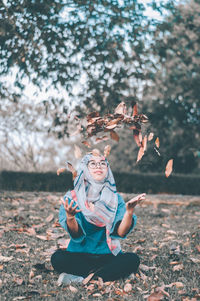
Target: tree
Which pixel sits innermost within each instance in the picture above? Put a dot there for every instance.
(93, 49)
(173, 97)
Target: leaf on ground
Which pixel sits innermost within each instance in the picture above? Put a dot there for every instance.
(5, 258)
(88, 278)
(42, 237)
(19, 281)
(49, 218)
(73, 289)
(178, 267)
(128, 287)
(169, 168)
(198, 248)
(155, 296)
(31, 231)
(195, 260)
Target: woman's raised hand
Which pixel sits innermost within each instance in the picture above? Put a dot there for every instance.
(70, 210)
(130, 205)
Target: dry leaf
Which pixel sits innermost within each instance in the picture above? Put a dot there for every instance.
(121, 108)
(178, 267)
(78, 130)
(195, 260)
(19, 281)
(128, 287)
(157, 142)
(169, 168)
(60, 170)
(138, 137)
(144, 142)
(49, 218)
(42, 237)
(73, 289)
(5, 259)
(155, 297)
(198, 248)
(135, 110)
(107, 150)
(150, 137)
(96, 152)
(100, 139)
(87, 144)
(88, 278)
(63, 243)
(178, 284)
(72, 169)
(97, 295)
(31, 274)
(77, 152)
(140, 154)
(114, 136)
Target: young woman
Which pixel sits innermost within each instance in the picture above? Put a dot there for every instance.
(96, 217)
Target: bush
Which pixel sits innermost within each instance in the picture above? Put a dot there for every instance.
(128, 183)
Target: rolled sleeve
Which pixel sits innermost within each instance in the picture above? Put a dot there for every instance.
(63, 223)
(118, 218)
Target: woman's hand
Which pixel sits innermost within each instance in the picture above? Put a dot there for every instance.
(130, 205)
(70, 210)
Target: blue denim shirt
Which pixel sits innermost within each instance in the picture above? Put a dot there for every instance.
(93, 238)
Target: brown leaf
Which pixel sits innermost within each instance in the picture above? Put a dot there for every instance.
(49, 218)
(150, 137)
(78, 130)
(86, 143)
(73, 289)
(198, 248)
(19, 281)
(138, 137)
(60, 170)
(128, 287)
(169, 168)
(155, 296)
(178, 267)
(77, 152)
(121, 108)
(114, 136)
(92, 115)
(135, 110)
(72, 169)
(144, 143)
(42, 237)
(88, 278)
(140, 154)
(63, 243)
(5, 259)
(107, 150)
(99, 139)
(157, 142)
(96, 152)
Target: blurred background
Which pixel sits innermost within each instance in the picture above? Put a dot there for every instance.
(66, 58)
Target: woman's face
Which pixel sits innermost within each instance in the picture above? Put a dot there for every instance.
(98, 168)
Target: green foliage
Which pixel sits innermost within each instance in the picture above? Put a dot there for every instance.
(174, 94)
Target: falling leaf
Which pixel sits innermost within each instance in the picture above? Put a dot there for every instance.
(49, 218)
(95, 152)
(60, 170)
(72, 169)
(87, 279)
(157, 142)
(121, 108)
(78, 130)
(140, 154)
(100, 139)
(114, 136)
(77, 152)
(107, 150)
(128, 287)
(150, 137)
(135, 110)
(144, 143)
(138, 137)
(169, 168)
(87, 144)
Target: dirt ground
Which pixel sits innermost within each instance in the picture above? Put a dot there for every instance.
(166, 238)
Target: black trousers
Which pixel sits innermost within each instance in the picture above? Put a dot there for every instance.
(106, 266)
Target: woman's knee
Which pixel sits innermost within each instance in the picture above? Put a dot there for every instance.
(132, 260)
(56, 258)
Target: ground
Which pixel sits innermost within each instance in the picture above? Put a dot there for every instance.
(166, 238)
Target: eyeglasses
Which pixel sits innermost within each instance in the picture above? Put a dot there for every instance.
(93, 164)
